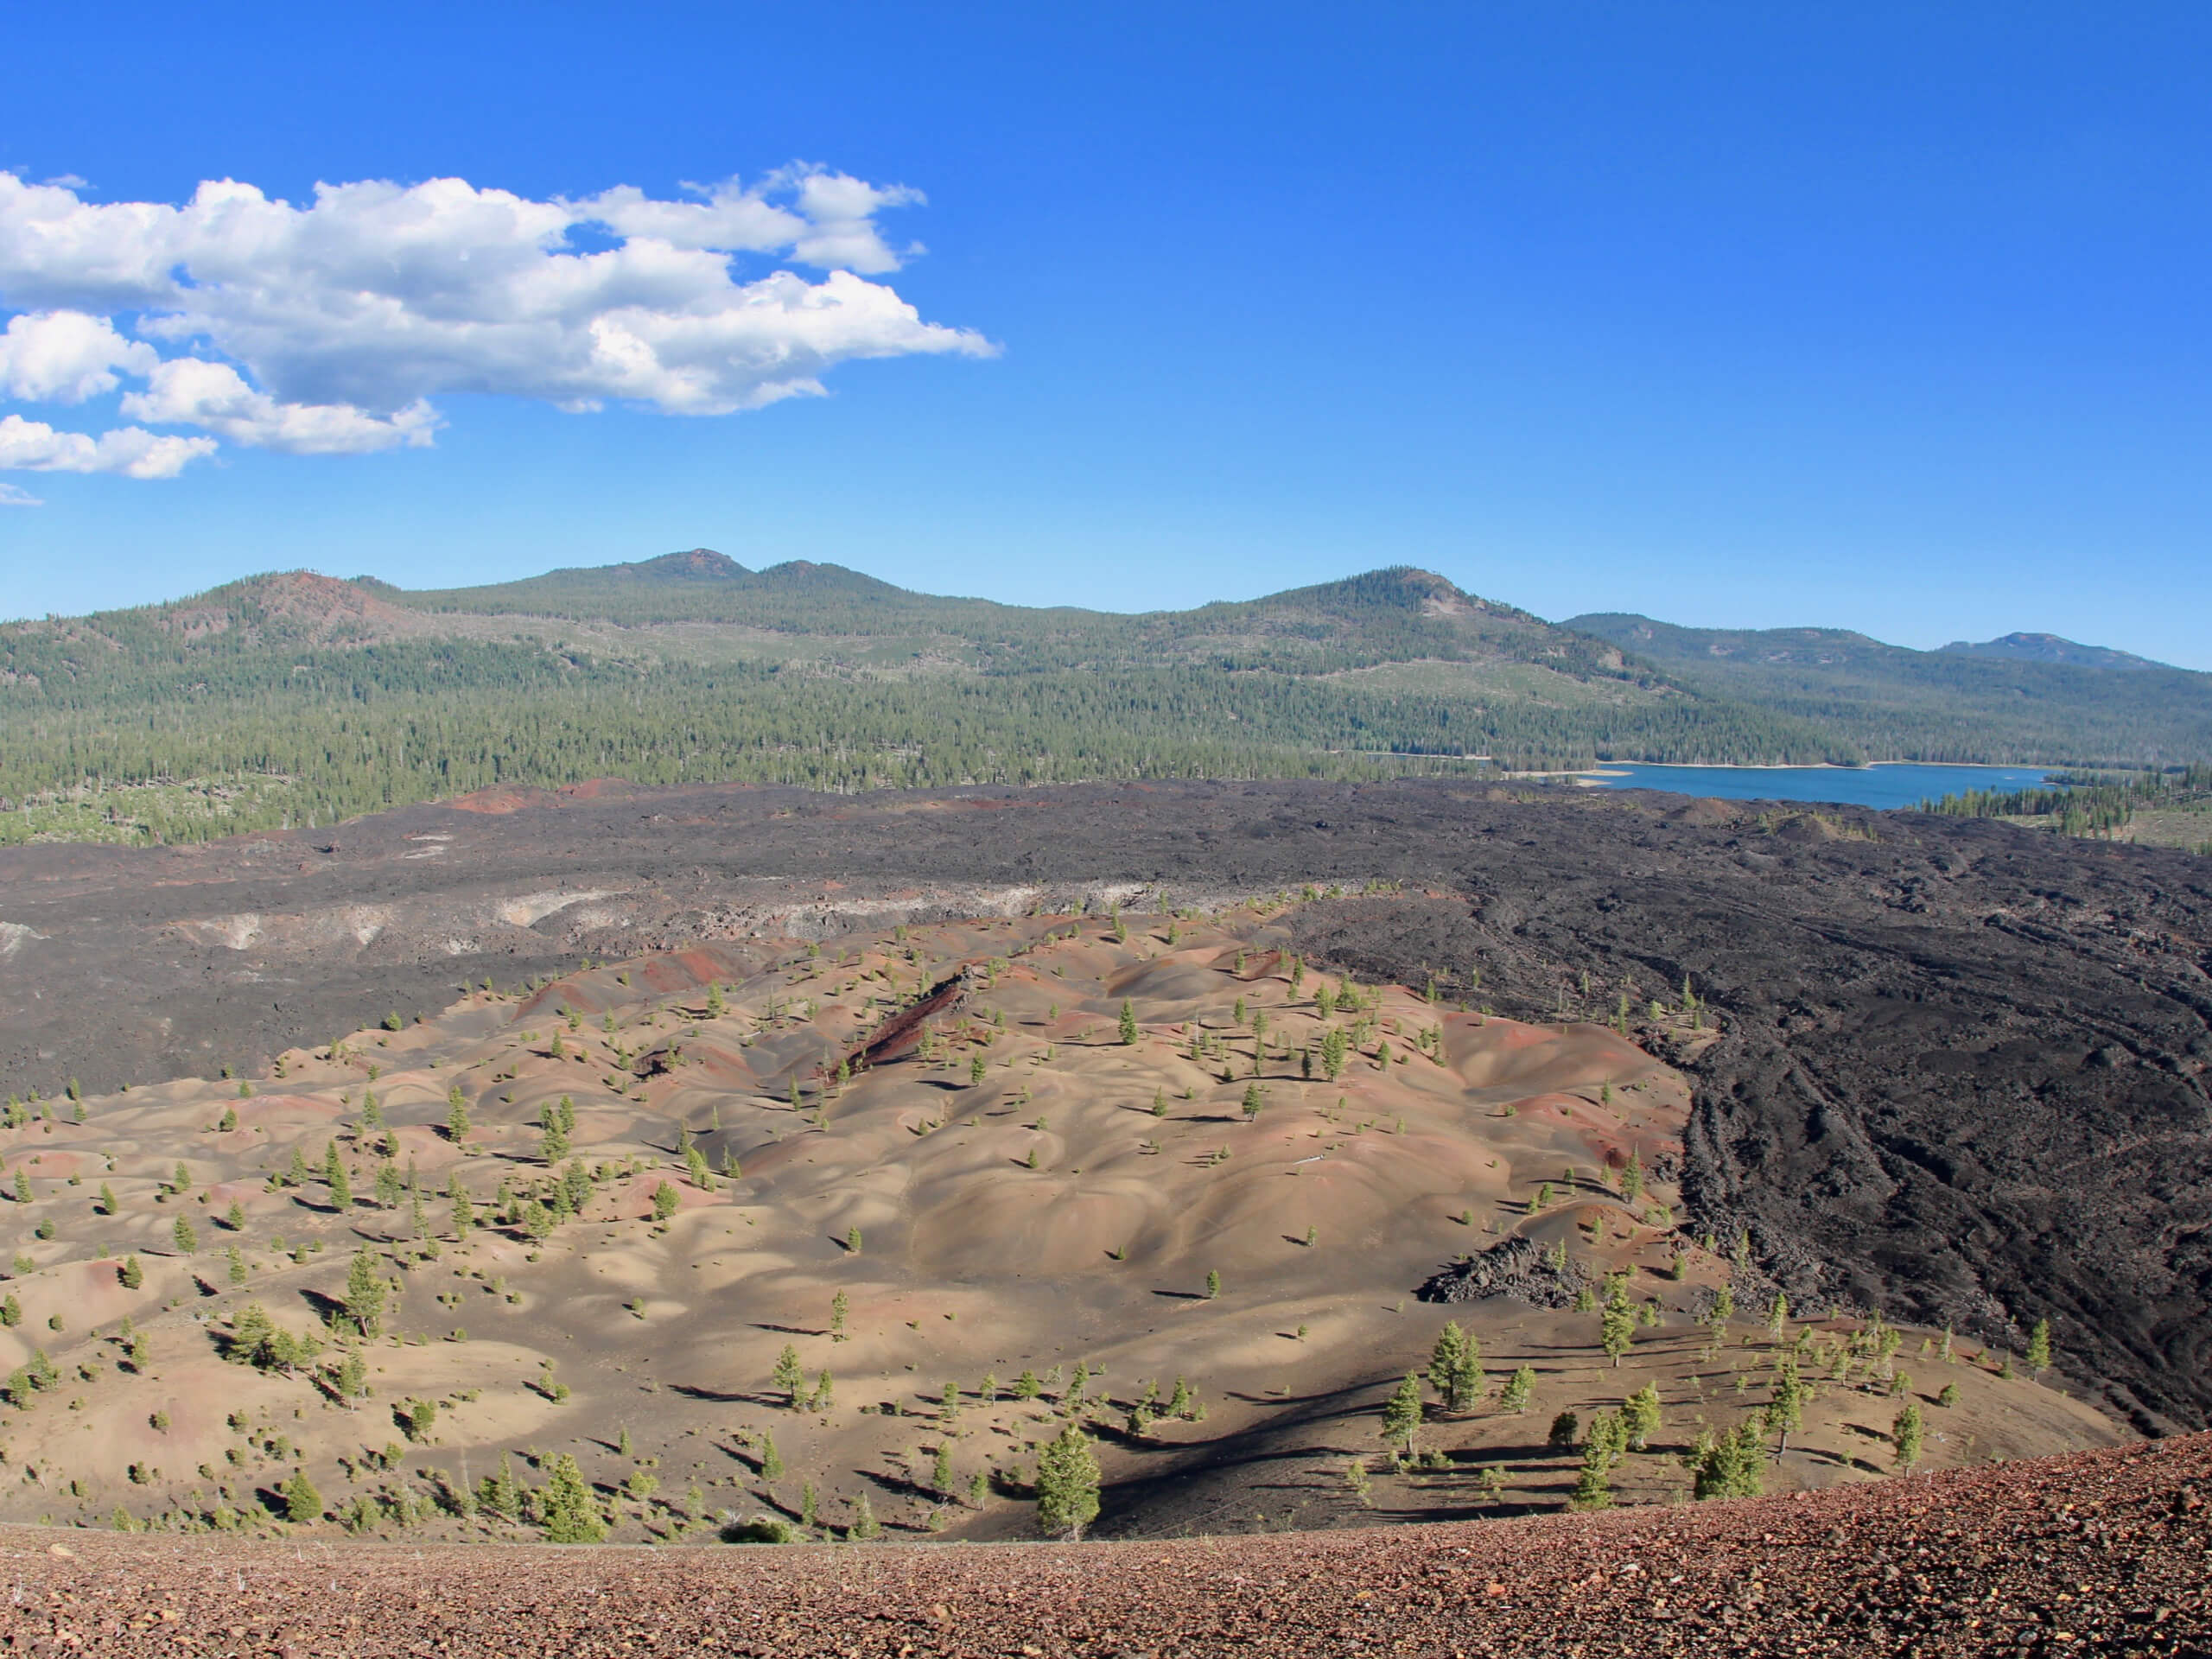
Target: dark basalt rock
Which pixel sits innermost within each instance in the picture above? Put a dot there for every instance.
(1517, 1268)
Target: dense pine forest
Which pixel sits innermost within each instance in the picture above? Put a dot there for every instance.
(299, 700)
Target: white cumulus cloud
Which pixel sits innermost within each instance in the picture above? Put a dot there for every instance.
(193, 392)
(35, 447)
(326, 327)
(11, 496)
(65, 357)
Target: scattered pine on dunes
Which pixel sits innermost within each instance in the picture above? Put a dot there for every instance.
(975, 1179)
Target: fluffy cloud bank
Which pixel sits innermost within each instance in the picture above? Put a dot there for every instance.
(35, 447)
(326, 329)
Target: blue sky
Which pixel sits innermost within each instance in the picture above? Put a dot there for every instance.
(1893, 319)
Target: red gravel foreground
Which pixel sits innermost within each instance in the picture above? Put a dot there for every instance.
(2108, 1552)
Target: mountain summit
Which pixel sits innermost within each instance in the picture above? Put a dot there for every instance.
(2052, 648)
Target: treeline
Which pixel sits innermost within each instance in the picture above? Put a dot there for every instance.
(358, 731)
(1953, 708)
(2090, 805)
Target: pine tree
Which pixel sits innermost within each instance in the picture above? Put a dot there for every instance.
(1905, 1436)
(787, 1376)
(1129, 1022)
(1785, 1410)
(365, 1292)
(238, 1272)
(1734, 1465)
(1455, 1368)
(1213, 1283)
(866, 1528)
(1067, 1484)
(499, 1493)
(302, 1503)
(1401, 1412)
(838, 1307)
(1518, 1389)
(941, 1469)
(186, 1234)
(130, 1273)
(571, 1515)
(335, 1178)
(1640, 1415)
(1334, 1050)
(1632, 1178)
(1252, 1102)
(2039, 1347)
(772, 1461)
(1617, 1327)
(107, 1200)
(456, 1115)
(1593, 1490)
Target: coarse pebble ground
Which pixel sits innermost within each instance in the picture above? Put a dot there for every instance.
(2106, 1552)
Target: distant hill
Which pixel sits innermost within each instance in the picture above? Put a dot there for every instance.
(2032, 699)
(2050, 648)
(295, 697)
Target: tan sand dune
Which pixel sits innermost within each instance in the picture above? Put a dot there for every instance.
(1244, 1189)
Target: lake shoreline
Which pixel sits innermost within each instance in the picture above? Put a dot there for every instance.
(1886, 786)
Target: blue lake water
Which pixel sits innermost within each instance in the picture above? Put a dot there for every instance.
(1902, 785)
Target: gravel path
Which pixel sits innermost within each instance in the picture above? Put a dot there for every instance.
(2108, 1552)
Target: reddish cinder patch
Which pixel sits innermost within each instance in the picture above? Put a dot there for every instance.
(498, 803)
(598, 789)
(2102, 1552)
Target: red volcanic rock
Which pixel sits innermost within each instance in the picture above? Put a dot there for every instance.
(2102, 1553)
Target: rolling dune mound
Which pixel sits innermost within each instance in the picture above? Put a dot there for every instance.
(757, 1237)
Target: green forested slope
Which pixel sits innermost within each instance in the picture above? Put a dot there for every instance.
(1896, 704)
(295, 698)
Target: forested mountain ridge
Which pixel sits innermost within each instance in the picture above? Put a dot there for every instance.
(2052, 703)
(1391, 615)
(2050, 648)
(296, 697)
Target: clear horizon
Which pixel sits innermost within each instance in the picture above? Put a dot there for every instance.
(1890, 321)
